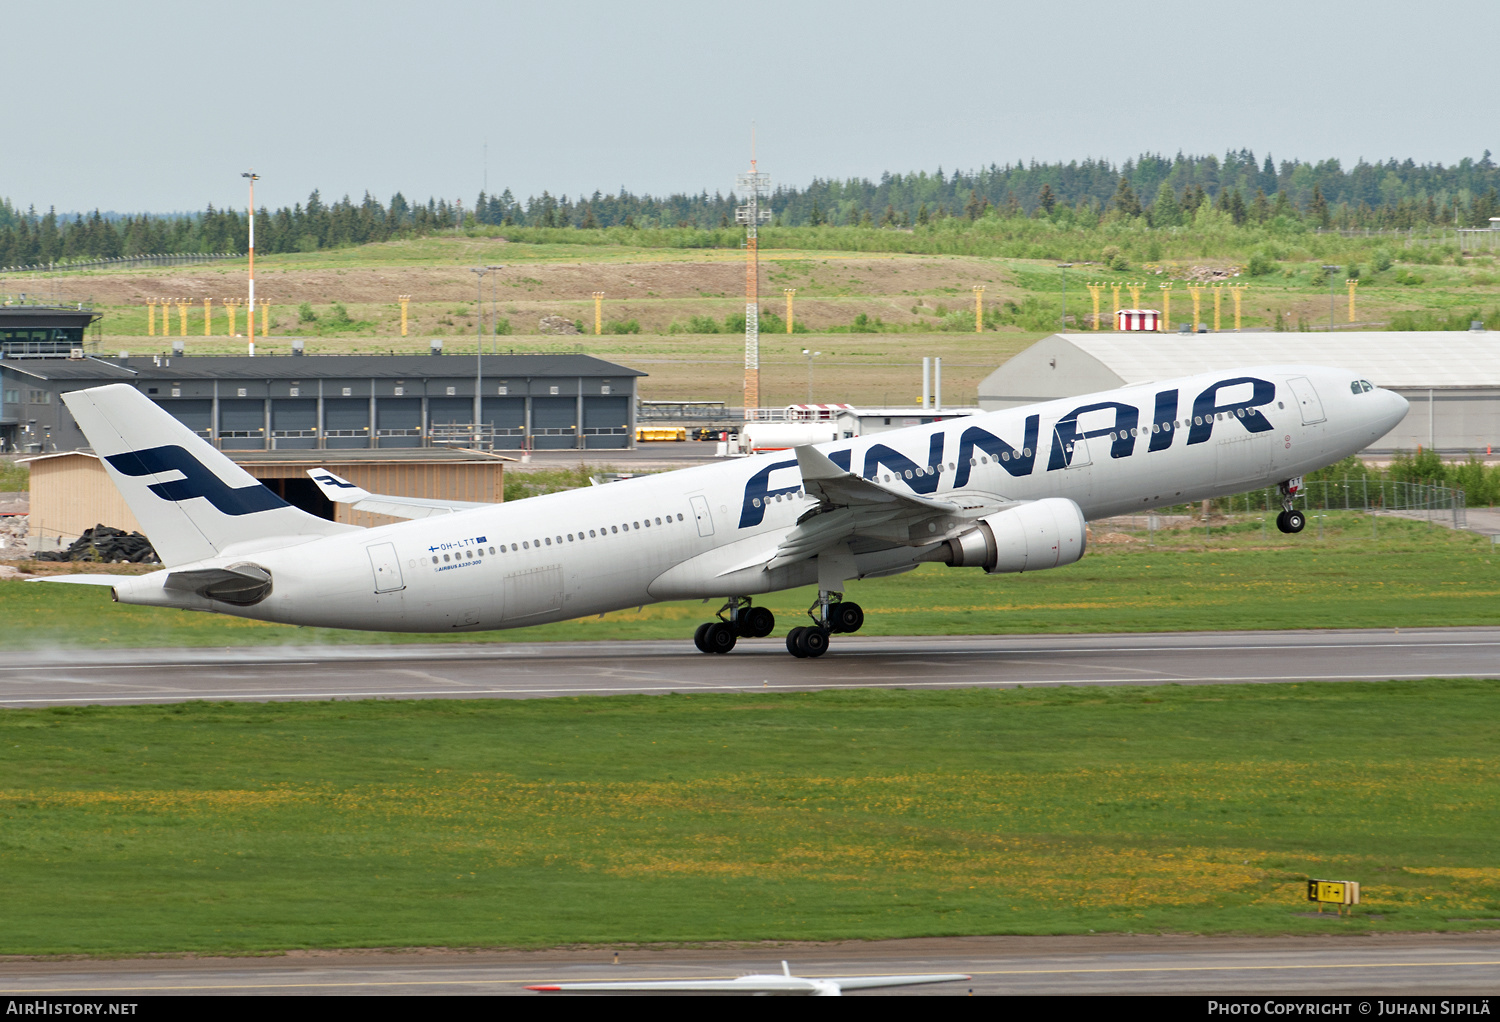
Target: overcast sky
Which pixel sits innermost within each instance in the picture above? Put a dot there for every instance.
(160, 105)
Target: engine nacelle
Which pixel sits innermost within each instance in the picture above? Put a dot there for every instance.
(1043, 534)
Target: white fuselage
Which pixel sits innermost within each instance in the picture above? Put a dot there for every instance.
(687, 534)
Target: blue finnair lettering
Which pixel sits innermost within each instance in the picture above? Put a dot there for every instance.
(197, 481)
(1067, 434)
(1206, 407)
(329, 480)
(1166, 414)
(757, 491)
(1018, 461)
(917, 477)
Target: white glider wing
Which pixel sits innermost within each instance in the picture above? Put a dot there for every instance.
(768, 983)
(342, 491)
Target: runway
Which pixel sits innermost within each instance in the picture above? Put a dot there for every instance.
(1367, 966)
(543, 670)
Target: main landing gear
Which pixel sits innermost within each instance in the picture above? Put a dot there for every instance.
(737, 620)
(830, 614)
(1290, 520)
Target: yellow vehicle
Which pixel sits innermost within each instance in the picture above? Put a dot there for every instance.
(644, 433)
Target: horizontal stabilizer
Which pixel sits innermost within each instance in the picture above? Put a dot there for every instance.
(342, 491)
(87, 580)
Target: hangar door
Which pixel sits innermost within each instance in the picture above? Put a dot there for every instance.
(554, 423)
(606, 422)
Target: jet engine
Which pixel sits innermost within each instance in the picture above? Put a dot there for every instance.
(1042, 534)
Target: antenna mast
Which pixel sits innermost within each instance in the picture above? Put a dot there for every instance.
(751, 187)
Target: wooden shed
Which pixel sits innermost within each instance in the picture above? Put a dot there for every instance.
(71, 492)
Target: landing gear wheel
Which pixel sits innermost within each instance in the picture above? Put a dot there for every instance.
(758, 623)
(700, 636)
(719, 638)
(794, 642)
(1291, 521)
(846, 617)
(813, 642)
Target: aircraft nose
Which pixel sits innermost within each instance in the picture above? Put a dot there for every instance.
(1396, 408)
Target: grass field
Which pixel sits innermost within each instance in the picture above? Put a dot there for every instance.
(1392, 573)
(689, 818)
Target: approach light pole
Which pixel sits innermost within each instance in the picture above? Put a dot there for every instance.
(1064, 268)
(494, 309)
(479, 271)
(254, 177)
(810, 356)
(1332, 288)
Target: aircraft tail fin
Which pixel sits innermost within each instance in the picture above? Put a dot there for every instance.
(191, 500)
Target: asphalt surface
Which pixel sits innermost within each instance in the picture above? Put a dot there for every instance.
(1367, 966)
(541, 670)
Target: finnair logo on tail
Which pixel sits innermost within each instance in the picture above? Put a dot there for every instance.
(196, 481)
(330, 480)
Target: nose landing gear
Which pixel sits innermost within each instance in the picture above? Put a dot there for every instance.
(1290, 520)
(737, 620)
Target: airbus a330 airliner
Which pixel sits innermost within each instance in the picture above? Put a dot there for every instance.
(1005, 491)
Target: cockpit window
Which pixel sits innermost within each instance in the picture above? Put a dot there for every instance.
(1361, 387)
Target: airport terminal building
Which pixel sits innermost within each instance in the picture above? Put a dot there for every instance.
(1451, 378)
(337, 402)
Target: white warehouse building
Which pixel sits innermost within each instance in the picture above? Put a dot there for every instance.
(1451, 378)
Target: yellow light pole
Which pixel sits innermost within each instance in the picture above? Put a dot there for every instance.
(1237, 292)
(1351, 285)
(598, 312)
(231, 306)
(1197, 292)
(1135, 293)
(1095, 290)
(1166, 306)
(404, 300)
(790, 293)
(151, 318)
(265, 317)
(978, 308)
(1115, 323)
(208, 316)
(182, 308)
(1218, 304)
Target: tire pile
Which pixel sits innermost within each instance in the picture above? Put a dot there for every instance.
(106, 545)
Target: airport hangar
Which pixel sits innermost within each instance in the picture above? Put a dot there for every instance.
(338, 402)
(1451, 378)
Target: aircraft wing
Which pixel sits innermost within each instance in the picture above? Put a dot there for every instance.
(850, 506)
(342, 491)
(786, 983)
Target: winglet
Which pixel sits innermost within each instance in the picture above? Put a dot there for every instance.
(553, 986)
(335, 488)
(786, 970)
(815, 465)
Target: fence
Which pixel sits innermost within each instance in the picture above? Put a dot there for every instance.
(125, 262)
(1437, 504)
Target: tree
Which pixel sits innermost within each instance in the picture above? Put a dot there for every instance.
(815, 218)
(1124, 200)
(888, 218)
(1260, 207)
(1317, 208)
(973, 208)
(922, 215)
(1165, 211)
(1046, 200)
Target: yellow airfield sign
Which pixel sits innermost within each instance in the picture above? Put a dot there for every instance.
(1333, 892)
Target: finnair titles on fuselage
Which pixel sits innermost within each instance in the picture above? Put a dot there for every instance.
(1006, 491)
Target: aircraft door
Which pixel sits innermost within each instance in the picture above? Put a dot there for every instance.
(1307, 400)
(701, 513)
(1075, 450)
(387, 568)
